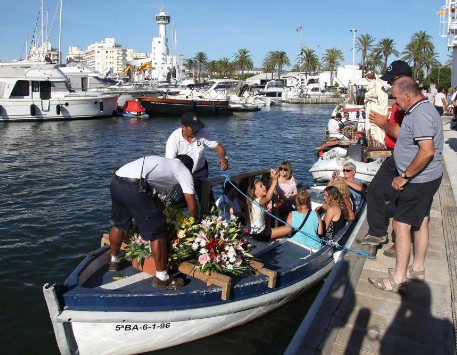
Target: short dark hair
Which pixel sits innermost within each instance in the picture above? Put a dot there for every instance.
(407, 84)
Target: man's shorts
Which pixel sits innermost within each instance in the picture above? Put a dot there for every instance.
(415, 201)
(145, 208)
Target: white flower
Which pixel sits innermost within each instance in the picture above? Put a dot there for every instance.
(194, 246)
(203, 251)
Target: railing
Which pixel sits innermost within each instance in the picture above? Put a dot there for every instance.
(207, 184)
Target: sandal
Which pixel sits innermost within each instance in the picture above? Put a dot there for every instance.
(170, 284)
(381, 284)
(413, 275)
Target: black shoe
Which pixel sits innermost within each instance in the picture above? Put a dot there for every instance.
(114, 266)
(170, 284)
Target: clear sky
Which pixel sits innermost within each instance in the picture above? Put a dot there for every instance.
(221, 28)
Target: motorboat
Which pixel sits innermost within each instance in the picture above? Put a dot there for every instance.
(95, 311)
(40, 91)
(335, 158)
(83, 78)
(274, 89)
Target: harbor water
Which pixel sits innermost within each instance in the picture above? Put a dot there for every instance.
(55, 205)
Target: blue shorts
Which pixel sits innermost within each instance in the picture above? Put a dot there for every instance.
(415, 201)
(145, 208)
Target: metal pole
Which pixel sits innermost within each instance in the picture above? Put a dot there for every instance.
(353, 30)
(60, 32)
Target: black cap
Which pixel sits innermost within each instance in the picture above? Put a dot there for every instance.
(397, 68)
(186, 160)
(191, 120)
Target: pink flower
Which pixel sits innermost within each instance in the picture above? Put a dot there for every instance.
(203, 259)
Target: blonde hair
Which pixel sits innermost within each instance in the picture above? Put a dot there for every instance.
(351, 166)
(302, 198)
(341, 186)
(335, 198)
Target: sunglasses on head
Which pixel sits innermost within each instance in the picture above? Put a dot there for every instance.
(283, 168)
(347, 170)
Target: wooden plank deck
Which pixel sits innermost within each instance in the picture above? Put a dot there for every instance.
(356, 318)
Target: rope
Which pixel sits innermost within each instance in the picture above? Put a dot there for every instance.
(330, 243)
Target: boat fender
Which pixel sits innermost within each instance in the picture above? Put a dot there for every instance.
(32, 110)
(66, 104)
(101, 106)
(58, 109)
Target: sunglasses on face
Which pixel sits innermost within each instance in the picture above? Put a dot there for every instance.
(347, 170)
(283, 169)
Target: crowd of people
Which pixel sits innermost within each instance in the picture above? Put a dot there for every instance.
(409, 179)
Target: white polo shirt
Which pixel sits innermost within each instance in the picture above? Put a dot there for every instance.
(176, 145)
(160, 172)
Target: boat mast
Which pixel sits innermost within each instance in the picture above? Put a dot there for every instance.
(42, 29)
(60, 32)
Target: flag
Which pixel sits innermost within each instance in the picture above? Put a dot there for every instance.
(126, 70)
(299, 28)
(146, 66)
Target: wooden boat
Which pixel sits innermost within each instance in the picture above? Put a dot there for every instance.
(96, 311)
(178, 106)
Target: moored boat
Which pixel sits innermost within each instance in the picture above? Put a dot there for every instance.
(178, 106)
(40, 91)
(95, 311)
(133, 109)
(335, 158)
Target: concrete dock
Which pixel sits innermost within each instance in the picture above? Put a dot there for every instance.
(350, 316)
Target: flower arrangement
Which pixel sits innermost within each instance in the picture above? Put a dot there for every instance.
(213, 244)
(219, 247)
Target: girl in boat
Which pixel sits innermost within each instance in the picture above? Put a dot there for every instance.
(344, 190)
(336, 213)
(258, 198)
(287, 188)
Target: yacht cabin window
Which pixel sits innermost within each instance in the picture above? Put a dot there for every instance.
(21, 88)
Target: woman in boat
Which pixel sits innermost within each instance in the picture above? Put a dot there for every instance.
(336, 214)
(287, 188)
(306, 224)
(344, 190)
(355, 185)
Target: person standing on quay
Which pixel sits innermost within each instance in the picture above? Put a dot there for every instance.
(190, 139)
(418, 159)
(380, 190)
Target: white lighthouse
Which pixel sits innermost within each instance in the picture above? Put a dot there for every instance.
(161, 62)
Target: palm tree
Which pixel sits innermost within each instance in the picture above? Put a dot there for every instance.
(430, 61)
(189, 64)
(415, 51)
(211, 68)
(280, 59)
(374, 60)
(308, 61)
(225, 67)
(243, 61)
(269, 64)
(332, 60)
(364, 44)
(201, 59)
(387, 48)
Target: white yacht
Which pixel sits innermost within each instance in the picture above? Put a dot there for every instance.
(40, 91)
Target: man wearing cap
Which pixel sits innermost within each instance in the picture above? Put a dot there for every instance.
(190, 139)
(380, 191)
(134, 189)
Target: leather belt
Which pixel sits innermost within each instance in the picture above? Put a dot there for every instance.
(126, 179)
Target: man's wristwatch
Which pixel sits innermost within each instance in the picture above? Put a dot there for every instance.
(404, 176)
